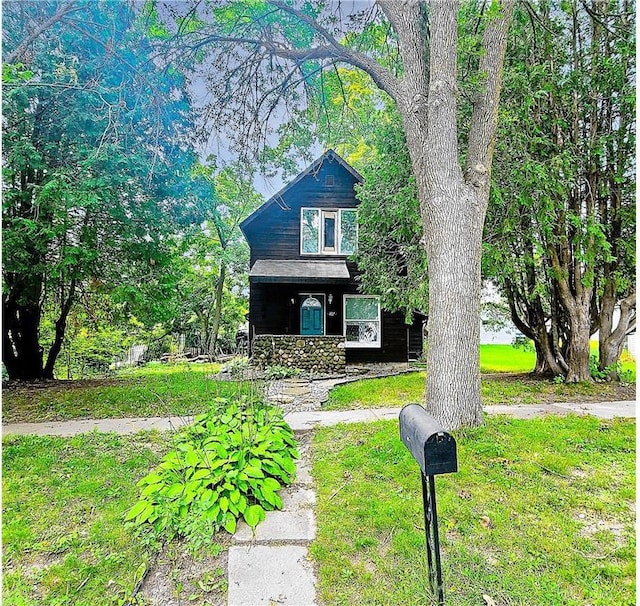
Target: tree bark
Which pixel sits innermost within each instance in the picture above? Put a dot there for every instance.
(21, 350)
(575, 298)
(453, 203)
(61, 326)
(611, 340)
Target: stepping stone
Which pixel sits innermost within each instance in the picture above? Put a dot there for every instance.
(295, 522)
(303, 473)
(266, 575)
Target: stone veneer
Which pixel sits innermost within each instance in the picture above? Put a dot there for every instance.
(317, 354)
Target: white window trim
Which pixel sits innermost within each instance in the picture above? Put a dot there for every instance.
(303, 252)
(338, 235)
(358, 344)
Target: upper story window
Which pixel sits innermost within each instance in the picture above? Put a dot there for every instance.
(328, 232)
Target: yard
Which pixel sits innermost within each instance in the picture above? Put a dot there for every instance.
(541, 512)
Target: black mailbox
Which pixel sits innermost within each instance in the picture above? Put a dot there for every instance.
(435, 452)
(431, 446)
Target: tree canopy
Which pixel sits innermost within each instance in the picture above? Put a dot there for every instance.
(95, 144)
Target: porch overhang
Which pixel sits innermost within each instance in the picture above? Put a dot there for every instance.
(300, 271)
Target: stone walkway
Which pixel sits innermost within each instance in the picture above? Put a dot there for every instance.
(272, 566)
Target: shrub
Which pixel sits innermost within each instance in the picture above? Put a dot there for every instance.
(281, 372)
(237, 367)
(228, 464)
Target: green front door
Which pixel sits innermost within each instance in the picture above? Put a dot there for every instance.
(311, 317)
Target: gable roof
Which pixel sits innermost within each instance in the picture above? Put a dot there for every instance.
(329, 155)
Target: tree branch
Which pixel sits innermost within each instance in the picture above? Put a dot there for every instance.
(335, 50)
(62, 12)
(484, 119)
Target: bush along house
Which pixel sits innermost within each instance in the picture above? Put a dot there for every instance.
(305, 309)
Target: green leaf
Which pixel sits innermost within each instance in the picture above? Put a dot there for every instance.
(254, 472)
(174, 490)
(254, 515)
(200, 474)
(230, 524)
(272, 484)
(268, 495)
(192, 458)
(150, 489)
(138, 508)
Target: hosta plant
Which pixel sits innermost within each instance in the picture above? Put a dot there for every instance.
(228, 464)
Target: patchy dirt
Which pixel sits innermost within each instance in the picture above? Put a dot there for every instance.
(179, 577)
(552, 393)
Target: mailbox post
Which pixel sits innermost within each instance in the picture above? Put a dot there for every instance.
(435, 452)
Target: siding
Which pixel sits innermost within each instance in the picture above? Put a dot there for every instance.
(275, 232)
(271, 312)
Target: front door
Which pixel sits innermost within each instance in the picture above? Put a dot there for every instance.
(311, 316)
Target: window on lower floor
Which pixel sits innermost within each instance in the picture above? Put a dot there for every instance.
(362, 324)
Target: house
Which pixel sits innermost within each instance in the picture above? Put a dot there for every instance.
(305, 309)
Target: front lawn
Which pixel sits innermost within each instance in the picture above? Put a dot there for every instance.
(153, 391)
(64, 540)
(511, 389)
(541, 512)
(505, 380)
(62, 504)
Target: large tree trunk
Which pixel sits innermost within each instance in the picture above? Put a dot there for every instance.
(549, 363)
(579, 350)
(453, 202)
(21, 350)
(453, 363)
(533, 324)
(575, 298)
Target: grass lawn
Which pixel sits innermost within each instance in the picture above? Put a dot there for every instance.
(506, 358)
(402, 389)
(154, 390)
(62, 504)
(541, 512)
(511, 388)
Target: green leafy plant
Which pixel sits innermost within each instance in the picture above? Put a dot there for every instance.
(603, 375)
(281, 372)
(229, 464)
(237, 367)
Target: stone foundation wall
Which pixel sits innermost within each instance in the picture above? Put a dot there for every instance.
(321, 354)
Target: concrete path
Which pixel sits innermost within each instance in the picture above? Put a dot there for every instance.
(271, 565)
(305, 420)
